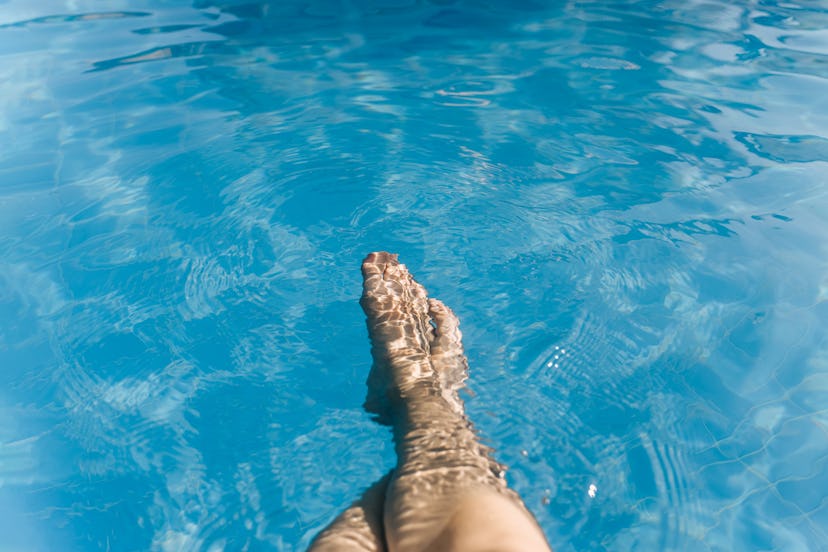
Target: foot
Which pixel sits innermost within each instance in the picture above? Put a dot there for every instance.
(416, 341)
(447, 357)
(401, 333)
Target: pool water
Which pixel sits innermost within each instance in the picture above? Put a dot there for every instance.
(626, 203)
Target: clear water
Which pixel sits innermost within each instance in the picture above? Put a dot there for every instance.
(625, 202)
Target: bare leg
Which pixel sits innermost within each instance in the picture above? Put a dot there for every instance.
(359, 528)
(447, 493)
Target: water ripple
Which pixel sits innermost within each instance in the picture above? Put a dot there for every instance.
(71, 18)
(624, 205)
(183, 50)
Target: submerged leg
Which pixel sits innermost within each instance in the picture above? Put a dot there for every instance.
(359, 528)
(447, 493)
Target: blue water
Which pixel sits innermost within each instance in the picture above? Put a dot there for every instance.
(626, 203)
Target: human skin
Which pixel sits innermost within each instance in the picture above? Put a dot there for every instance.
(446, 493)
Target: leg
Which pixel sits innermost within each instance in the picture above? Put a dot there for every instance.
(447, 493)
(359, 528)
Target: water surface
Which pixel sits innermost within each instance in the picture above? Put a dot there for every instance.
(624, 202)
